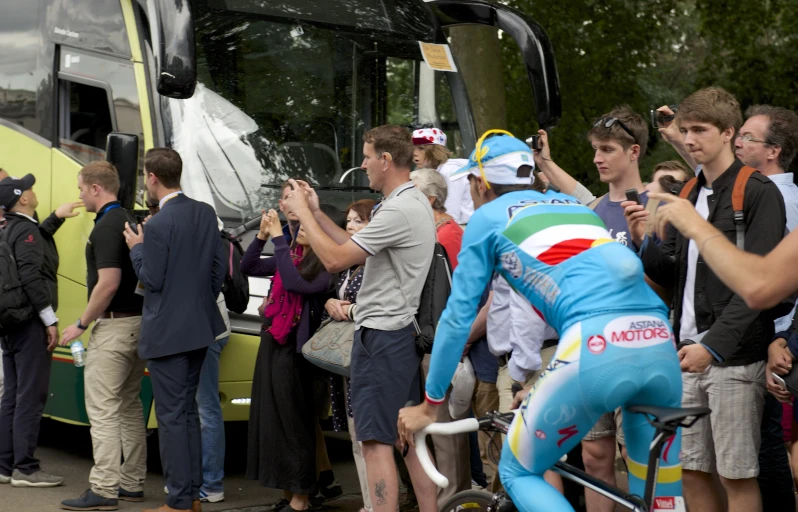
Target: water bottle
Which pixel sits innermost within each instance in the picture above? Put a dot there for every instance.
(78, 353)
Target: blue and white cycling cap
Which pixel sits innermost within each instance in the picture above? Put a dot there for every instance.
(497, 160)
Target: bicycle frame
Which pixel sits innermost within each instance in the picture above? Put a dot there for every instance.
(500, 423)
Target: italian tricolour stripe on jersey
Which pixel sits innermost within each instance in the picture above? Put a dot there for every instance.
(554, 237)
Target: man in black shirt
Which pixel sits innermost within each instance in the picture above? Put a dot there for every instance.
(112, 379)
(28, 342)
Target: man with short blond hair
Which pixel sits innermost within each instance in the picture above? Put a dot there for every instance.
(113, 373)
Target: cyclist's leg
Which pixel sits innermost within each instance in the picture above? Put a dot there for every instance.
(553, 420)
(663, 388)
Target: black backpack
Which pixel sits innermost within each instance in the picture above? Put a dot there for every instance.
(236, 284)
(15, 308)
(434, 296)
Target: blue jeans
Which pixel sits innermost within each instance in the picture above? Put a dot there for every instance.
(211, 421)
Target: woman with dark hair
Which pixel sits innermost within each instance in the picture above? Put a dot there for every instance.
(347, 285)
(282, 422)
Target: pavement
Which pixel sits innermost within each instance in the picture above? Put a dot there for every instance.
(65, 450)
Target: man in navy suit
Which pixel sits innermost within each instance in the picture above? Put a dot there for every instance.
(181, 264)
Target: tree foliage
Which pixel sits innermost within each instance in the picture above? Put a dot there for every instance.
(646, 53)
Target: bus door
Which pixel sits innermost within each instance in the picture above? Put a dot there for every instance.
(96, 95)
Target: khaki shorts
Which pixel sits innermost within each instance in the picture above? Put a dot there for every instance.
(729, 437)
(610, 424)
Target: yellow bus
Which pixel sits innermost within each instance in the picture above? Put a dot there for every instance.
(250, 92)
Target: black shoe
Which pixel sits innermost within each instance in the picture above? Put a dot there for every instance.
(130, 495)
(90, 501)
(280, 504)
(329, 492)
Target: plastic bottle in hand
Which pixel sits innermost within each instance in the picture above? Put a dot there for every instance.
(78, 353)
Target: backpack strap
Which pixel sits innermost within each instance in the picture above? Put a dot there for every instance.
(230, 262)
(688, 187)
(592, 205)
(738, 203)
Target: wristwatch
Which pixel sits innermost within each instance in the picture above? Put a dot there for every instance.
(80, 326)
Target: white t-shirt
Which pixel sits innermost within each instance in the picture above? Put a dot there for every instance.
(688, 328)
(458, 196)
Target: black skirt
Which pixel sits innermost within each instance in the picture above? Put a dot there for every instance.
(282, 437)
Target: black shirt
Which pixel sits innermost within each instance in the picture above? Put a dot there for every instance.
(107, 249)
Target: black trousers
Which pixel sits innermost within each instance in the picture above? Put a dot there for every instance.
(26, 365)
(775, 476)
(174, 384)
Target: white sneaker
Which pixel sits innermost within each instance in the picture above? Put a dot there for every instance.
(211, 497)
(5, 479)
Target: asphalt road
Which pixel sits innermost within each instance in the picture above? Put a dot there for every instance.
(65, 450)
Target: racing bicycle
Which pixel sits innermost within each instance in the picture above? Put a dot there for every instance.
(665, 421)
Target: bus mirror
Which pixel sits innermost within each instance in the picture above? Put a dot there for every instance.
(122, 150)
(173, 44)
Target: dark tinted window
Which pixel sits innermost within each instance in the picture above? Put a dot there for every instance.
(19, 76)
(86, 121)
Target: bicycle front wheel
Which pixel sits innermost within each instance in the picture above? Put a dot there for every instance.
(468, 501)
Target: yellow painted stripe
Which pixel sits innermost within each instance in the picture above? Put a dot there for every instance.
(132, 32)
(144, 102)
(666, 474)
(64, 420)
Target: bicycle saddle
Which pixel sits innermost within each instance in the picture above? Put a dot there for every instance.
(670, 416)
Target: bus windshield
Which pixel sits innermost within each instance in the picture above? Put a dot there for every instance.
(279, 100)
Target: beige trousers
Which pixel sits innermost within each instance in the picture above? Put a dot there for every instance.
(452, 454)
(357, 451)
(112, 381)
(504, 384)
(486, 399)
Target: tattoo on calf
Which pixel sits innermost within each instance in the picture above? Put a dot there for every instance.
(380, 493)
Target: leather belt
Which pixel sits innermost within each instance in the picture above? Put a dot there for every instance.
(121, 314)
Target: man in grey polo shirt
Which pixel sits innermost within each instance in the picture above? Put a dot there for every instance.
(397, 248)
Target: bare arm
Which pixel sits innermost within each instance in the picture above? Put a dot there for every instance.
(330, 228)
(335, 256)
(480, 326)
(102, 294)
(553, 172)
(670, 133)
(762, 281)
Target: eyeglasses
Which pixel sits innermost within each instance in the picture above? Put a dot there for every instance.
(750, 138)
(607, 122)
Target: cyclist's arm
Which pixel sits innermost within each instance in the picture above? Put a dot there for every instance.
(472, 275)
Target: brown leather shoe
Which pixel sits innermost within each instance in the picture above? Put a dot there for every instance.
(196, 506)
(166, 508)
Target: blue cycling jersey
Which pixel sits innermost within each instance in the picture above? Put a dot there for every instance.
(616, 346)
(555, 252)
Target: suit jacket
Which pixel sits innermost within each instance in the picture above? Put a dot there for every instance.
(182, 267)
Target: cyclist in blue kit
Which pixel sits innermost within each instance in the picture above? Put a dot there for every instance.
(616, 345)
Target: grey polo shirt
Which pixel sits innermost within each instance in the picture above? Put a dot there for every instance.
(400, 240)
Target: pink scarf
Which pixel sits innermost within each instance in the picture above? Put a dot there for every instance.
(284, 308)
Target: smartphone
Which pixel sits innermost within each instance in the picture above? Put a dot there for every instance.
(658, 118)
(632, 195)
(779, 381)
(534, 142)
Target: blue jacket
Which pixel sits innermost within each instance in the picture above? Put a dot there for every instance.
(182, 267)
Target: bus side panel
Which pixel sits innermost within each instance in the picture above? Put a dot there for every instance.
(72, 237)
(20, 155)
(236, 368)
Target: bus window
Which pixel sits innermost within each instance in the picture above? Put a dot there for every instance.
(274, 102)
(20, 75)
(85, 121)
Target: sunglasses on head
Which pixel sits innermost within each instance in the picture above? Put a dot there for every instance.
(607, 122)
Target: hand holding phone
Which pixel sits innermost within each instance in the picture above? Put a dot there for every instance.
(779, 381)
(632, 195)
